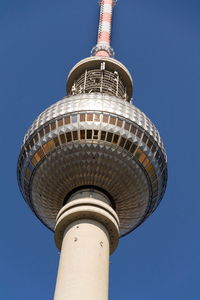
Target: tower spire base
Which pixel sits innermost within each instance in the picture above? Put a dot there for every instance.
(103, 50)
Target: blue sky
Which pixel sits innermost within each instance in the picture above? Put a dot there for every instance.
(159, 43)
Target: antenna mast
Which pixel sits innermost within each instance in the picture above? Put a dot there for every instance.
(103, 47)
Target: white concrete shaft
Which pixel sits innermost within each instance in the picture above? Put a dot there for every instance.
(87, 232)
(84, 262)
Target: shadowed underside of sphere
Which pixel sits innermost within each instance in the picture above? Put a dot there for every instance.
(93, 140)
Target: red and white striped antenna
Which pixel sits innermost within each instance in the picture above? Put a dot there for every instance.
(103, 47)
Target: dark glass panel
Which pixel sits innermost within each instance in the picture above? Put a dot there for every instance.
(75, 135)
(56, 141)
(36, 138)
(27, 147)
(160, 161)
(133, 148)
(46, 129)
(133, 129)
(128, 145)
(53, 125)
(95, 134)
(21, 161)
(122, 142)
(41, 133)
(145, 138)
(139, 133)
(31, 143)
(103, 135)
(82, 134)
(154, 148)
(62, 138)
(89, 134)
(115, 139)
(157, 155)
(69, 136)
(127, 126)
(109, 137)
(149, 144)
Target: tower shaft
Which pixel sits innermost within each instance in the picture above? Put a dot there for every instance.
(87, 229)
(84, 262)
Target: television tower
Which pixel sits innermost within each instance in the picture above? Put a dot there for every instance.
(92, 168)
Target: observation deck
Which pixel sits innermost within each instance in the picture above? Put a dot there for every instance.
(100, 74)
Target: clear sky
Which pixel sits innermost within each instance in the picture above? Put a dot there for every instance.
(159, 43)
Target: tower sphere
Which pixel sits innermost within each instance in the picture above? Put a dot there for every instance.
(94, 138)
